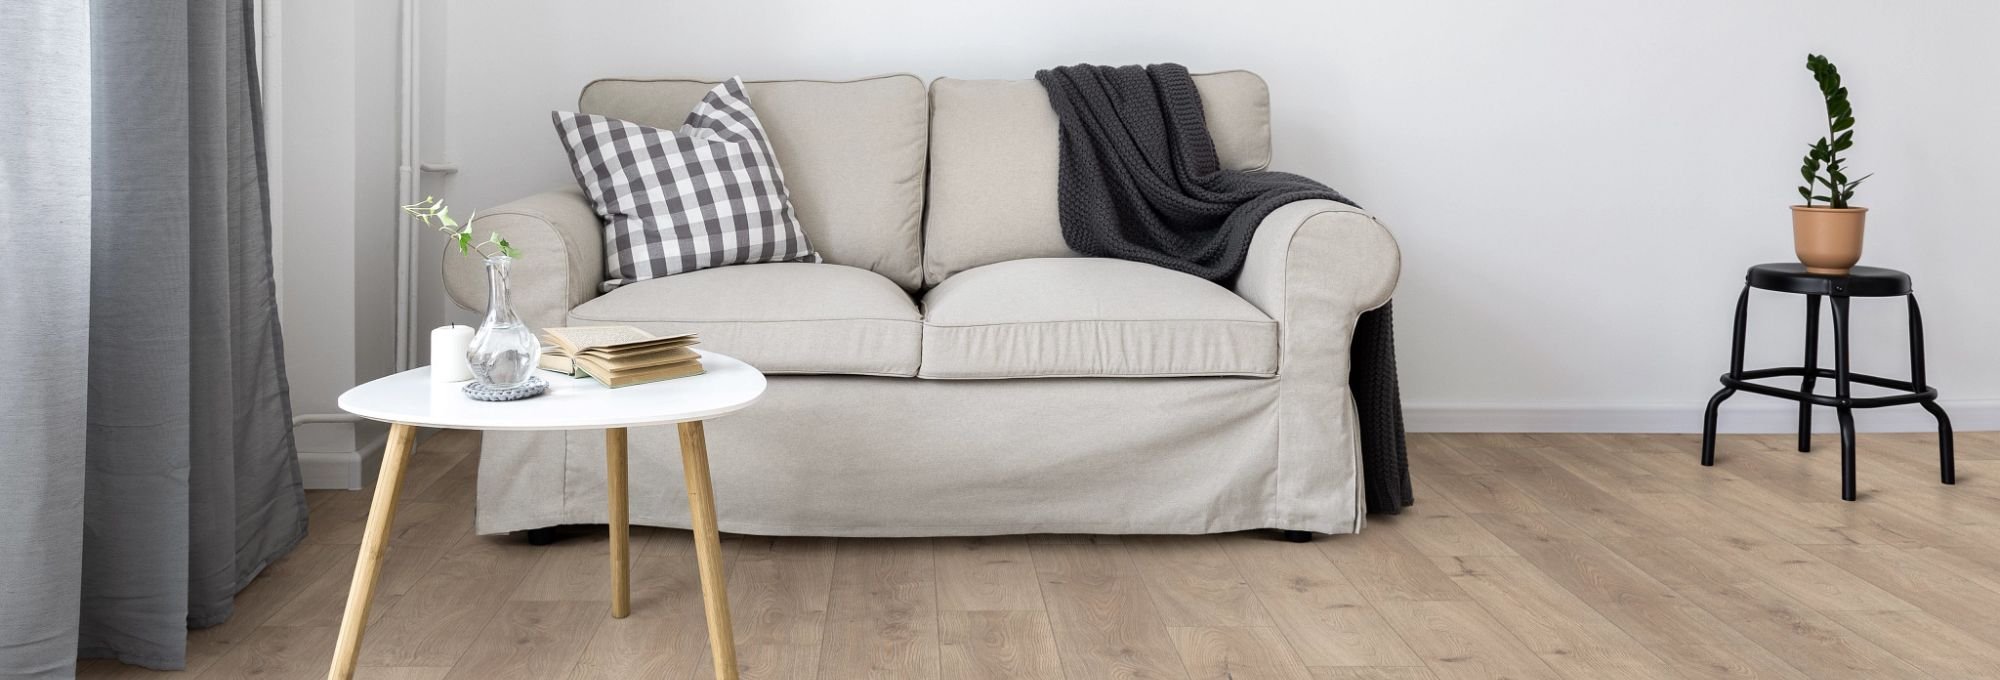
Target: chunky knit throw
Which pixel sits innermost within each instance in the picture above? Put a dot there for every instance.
(1139, 180)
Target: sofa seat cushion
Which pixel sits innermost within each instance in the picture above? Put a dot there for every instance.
(1091, 317)
(781, 317)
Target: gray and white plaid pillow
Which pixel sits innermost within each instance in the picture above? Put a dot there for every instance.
(708, 195)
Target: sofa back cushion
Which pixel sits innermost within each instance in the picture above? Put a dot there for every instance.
(853, 154)
(993, 164)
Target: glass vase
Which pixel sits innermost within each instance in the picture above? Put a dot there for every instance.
(504, 351)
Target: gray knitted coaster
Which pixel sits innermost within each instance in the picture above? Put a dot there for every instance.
(534, 387)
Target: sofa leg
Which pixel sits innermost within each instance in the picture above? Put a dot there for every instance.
(543, 536)
(1296, 536)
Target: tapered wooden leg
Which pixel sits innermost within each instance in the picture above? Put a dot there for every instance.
(621, 542)
(708, 550)
(374, 544)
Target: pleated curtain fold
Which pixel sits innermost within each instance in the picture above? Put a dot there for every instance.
(161, 474)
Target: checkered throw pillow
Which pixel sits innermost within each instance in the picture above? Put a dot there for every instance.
(673, 202)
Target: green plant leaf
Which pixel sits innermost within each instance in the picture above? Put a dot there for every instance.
(1822, 198)
(1843, 123)
(1806, 193)
(1857, 183)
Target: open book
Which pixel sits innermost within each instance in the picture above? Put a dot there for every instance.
(620, 355)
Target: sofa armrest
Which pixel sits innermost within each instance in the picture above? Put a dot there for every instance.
(562, 257)
(1315, 266)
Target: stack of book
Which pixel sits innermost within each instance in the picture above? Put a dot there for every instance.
(619, 355)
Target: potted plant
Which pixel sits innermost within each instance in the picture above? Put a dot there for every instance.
(1828, 237)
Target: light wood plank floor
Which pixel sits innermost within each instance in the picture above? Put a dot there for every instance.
(1526, 556)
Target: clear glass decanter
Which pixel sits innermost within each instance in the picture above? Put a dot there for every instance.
(504, 350)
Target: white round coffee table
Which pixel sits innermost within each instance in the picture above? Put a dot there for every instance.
(409, 400)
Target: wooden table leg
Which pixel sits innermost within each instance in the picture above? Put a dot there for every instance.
(374, 544)
(708, 549)
(620, 521)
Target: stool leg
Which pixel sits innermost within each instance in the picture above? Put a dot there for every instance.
(1841, 392)
(1946, 472)
(1735, 371)
(1708, 424)
(1846, 453)
(1742, 327)
(1812, 372)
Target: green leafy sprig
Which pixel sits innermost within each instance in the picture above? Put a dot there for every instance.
(1825, 154)
(434, 213)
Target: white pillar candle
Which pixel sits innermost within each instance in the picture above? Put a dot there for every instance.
(448, 344)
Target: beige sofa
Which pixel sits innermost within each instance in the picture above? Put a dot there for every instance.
(953, 368)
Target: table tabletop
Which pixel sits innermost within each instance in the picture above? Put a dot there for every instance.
(409, 397)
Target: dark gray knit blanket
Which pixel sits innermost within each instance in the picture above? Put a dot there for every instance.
(1139, 180)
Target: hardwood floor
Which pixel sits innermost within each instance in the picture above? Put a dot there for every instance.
(1526, 556)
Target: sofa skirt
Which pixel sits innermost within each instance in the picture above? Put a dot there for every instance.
(872, 456)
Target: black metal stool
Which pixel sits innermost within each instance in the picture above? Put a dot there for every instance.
(1790, 277)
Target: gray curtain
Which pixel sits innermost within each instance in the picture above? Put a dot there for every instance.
(151, 469)
(44, 326)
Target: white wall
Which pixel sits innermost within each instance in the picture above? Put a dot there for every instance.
(333, 172)
(1577, 186)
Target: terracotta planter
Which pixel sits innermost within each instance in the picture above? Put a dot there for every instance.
(1828, 240)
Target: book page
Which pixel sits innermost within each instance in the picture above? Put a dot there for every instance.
(577, 338)
(639, 359)
(641, 347)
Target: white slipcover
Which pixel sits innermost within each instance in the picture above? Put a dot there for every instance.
(1265, 436)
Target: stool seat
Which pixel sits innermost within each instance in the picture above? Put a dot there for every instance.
(1792, 277)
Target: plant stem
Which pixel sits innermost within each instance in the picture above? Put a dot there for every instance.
(1833, 199)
